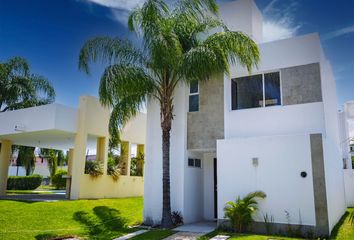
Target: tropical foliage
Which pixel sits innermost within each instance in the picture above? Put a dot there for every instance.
(113, 166)
(26, 158)
(20, 88)
(240, 212)
(58, 181)
(180, 43)
(94, 168)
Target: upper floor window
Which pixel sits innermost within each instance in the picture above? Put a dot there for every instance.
(260, 90)
(194, 97)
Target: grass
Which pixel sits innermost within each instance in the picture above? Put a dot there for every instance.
(344, 230)
(154, 235)
(90, 219)
(28, 192)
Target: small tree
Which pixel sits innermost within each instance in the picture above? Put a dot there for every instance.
(240, 212)
(26, 158)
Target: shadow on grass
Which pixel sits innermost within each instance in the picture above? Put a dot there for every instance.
(104, 223)
(337, 227)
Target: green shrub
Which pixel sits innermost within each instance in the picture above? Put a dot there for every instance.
(24, 182)
(240, 212)
(94, 168)
(113, 168)
(58, 181)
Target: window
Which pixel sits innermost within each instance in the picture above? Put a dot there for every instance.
(194, 163)
(260, 90)
(194, 97)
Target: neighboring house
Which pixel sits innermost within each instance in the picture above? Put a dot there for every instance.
(275, 130)
(41, 167)
(56, 126)
(346, 126)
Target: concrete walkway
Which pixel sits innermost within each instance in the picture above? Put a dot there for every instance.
(34, 197)
(192, 231)
(199, 227)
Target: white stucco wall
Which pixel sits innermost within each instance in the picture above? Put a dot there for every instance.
(349, 189)
(281, 160)
(332, 146)
(243, 15)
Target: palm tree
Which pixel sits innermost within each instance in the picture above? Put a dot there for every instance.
(20, 88)
(26, 158)
(173, 51)
(240, 212)
(51, 156)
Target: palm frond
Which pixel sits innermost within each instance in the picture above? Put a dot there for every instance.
(239, 48)
(109, 50)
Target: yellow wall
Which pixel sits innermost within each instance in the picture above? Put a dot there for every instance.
(105, 187)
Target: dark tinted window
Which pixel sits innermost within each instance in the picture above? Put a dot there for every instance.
(190, 162)
(193, 103)
(197, 163)
(193, 87)
(272, 89)
(247, 92)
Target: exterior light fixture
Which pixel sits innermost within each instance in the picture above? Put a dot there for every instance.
(255, 162)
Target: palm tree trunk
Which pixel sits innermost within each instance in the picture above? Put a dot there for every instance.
(166, 123)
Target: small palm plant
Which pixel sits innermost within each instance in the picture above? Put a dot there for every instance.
(240, 212)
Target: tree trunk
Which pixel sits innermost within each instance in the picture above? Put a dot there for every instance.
(166, 123)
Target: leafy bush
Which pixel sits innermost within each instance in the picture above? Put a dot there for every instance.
(24, 183)
(113, 168)
(137, 165)
(58, 181)
(94, 168)
(240, 212)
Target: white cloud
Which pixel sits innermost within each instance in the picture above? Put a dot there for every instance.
(126, 5)
(339, 32)
(279, 22)
(119, 8)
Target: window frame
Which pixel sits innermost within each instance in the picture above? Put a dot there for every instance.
(194, 161)
(193, 94)
(263, 89)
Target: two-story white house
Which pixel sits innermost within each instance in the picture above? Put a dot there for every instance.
(275, 130)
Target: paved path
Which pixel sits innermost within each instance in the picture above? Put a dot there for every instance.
(34, 197)
(192, 231)
(184, 236)
(131, 235)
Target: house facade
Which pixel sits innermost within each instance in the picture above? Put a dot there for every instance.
(274, 130)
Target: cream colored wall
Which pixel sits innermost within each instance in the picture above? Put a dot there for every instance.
(105, 187)
(93, 120)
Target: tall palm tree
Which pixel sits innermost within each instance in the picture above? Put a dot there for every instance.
(19, 88)
(177, 47)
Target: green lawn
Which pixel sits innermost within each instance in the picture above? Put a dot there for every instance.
(28, 192)
(100, 219)
(91, 219)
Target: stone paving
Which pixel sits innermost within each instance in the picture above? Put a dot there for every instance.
(184, 236)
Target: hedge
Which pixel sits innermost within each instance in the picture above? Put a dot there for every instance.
(24, 182)
(58, 181)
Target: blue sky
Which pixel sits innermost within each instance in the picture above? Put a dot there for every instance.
(50, 33)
